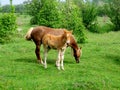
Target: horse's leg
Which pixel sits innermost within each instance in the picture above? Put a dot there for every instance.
(58, 60)
(37, 51)
(62, 59)
(45, 57)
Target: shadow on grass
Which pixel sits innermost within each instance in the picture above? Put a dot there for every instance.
(29, 60)
(53, 61)
(49, 61)
(114, 58)
(26, 60)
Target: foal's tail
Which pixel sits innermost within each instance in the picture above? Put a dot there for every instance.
(28, 34)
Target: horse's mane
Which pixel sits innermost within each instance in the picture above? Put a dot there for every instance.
(73, 42)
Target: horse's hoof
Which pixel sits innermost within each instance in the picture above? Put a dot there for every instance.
(42, 62)
(62, 68)
(58, 68)
(45, 67)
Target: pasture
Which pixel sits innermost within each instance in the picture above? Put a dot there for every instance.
(99, 68)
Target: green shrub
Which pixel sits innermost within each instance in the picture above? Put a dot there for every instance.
(7, 26)
(33, 20)
(101, 25)
(43, 12)
(89, 14)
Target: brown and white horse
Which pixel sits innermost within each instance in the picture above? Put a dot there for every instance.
(37, 34)
(56, 42)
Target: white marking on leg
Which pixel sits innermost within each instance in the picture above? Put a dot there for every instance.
(45, 58)
(58, 61)
(42, 62)
(62, 59)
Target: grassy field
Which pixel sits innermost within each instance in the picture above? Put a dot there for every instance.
(99, 68)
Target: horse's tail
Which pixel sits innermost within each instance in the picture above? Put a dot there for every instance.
(28, 34)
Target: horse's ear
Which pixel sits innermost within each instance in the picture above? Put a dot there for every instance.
(65, 31)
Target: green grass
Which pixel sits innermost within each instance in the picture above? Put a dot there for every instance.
(99, 68)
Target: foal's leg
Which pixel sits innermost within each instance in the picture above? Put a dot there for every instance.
(62, 59)
(58, 60)
(45, 57)
(37, 51)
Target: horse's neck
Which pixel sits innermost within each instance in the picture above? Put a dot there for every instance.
(63, 38)
(74, 45)
(61, 42)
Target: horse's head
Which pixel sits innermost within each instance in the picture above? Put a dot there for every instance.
(77, 54)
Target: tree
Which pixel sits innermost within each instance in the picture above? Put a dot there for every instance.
(49, 14)
(44, 12)
(6, 9)
(113, 11)
(33, 6)
(19, 8)
(79, 3)
(100, 1)
(89, 14)
(12, 7)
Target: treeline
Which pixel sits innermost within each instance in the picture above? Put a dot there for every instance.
(18, 9)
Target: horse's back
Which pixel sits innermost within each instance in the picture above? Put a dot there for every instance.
(50, 39)
(38, 33)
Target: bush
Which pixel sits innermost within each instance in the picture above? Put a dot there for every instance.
(7, 26)
(101, 25)
(33, 20)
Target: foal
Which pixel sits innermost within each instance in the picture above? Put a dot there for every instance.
(56, 42)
